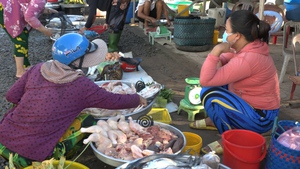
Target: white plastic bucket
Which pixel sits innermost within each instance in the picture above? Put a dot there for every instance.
(219, 14)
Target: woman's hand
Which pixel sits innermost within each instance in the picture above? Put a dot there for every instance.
(45, 31)
(295, 79)
(152, 20)
(81, 30)
(105, 26)
(143, 101)
(221, 48)
(48, 32)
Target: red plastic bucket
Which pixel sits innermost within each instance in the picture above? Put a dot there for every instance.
(97, 28)
(52, 1)
(243, 149)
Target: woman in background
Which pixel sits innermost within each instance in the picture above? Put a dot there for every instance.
(116, 11)
(239, 80)
(17, 17)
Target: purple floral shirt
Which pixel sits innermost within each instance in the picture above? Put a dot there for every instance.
(44, 110)
(19, 14)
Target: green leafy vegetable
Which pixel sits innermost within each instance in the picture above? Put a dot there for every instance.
(166, 94)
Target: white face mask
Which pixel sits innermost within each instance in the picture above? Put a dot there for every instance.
(225, 35)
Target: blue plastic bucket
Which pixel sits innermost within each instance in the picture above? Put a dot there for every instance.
(292, 10)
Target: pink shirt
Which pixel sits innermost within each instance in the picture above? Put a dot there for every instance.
(250, 73)
(19, 14)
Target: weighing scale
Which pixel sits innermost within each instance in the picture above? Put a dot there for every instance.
(161, 32)
(191, 102)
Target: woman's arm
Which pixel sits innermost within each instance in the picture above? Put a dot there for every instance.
(213, 73)
(34, 9)
(15, 93)
(92, 13)
(95, 96)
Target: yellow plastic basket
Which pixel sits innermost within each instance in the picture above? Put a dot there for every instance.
(160, 115)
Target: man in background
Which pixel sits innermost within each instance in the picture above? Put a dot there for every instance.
(152, 11)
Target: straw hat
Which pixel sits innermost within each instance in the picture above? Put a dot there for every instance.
(95, 55)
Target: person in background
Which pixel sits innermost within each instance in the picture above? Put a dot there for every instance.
(17, 17)
(48, 99)
(116, 11)
(239, 80)
(93, 6)
(151, 11)
(295, 79)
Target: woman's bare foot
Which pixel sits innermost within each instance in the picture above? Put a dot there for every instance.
(20, 73)
(295, 79)
(209, 122)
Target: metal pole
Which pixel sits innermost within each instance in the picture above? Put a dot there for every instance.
(261, 9)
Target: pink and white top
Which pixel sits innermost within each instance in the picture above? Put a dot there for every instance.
(19, 14)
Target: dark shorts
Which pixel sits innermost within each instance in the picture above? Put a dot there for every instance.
(152, 14)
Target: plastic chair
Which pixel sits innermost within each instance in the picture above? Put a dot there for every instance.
(287, 52)
(243, 6)
(296, 39)
(275, 16)
(240, 6)
(275, 20)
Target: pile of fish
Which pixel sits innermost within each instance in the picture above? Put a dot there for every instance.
(128, 140)
(176, 161)
(122, 88)
(164, 161)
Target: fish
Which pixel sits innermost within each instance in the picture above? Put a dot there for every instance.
(165, 161)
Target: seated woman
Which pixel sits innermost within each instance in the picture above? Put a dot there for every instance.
(46, 119)
(239, 79)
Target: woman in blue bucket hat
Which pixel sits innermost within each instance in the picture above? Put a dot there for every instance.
(239, 80)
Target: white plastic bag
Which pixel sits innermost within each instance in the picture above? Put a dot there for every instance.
(291, 138)
(212, 160)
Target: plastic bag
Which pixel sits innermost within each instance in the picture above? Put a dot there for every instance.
(291, 138)
(211, 159)
(109, 71)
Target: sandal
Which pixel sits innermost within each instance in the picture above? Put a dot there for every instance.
(201, 125)
(214, 146)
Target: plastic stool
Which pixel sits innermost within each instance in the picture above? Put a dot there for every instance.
(192, 110)
(153, 35)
